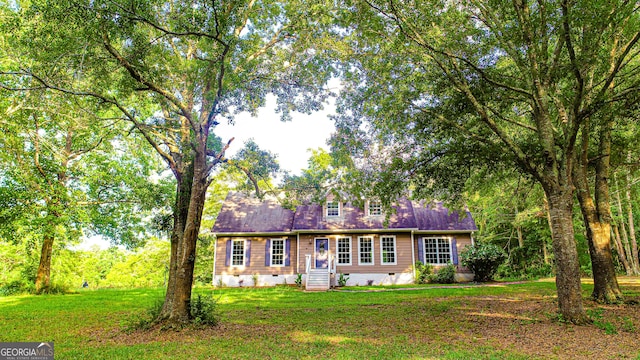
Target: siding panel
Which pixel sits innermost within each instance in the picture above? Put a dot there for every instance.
(258, 258)
(403, 253)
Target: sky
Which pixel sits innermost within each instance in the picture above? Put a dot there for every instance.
(290, 140)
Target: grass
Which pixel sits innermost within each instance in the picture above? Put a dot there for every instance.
(283, 322)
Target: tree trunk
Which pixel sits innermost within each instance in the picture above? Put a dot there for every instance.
(632, 228)
(566, 253)
(43, 276)
(625, 238)
(190, 200)
(605, 283)
(564, 246)
(181, 208)
(545, 253)
(597, 219)
(620, 249)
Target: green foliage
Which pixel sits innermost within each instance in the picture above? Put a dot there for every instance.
(299, 280)
(528, 272)
(321, 176)
(342, 280)
(483, 260)
(628, 325)
(596, 316)
(146, 267)
(17, 287)
(444, 275)
(204, 310)
(423, 272)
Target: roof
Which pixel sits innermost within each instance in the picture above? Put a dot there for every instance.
(311, 217)
(435, 217)
(245, 214)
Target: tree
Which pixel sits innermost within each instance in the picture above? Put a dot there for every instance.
(173, 70)
(516, 79)
(67, 178)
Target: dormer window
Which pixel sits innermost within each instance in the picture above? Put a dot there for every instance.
(375, 208)
(333, 209)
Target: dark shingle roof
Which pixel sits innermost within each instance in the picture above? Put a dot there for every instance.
(311, 217)
(433, 216)
(242, 213)
(246, 213)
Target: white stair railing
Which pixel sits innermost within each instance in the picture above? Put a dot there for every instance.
(307, 262)
(331, 269)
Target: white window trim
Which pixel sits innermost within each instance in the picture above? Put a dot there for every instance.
(395, 251)
(373, 255)
(244, 253)
(326, 212)
(369, 203)
(424, 249)
(350, 251)
(284, 252)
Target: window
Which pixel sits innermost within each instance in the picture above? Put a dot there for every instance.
(388, 250)
(365, 250)
(375, 209)
(277, 252)
(344, 250)
(333, 208)
(437, 251)
(237, 253)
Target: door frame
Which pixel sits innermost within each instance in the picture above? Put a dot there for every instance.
(315, 253)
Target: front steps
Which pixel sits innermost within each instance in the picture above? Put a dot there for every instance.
(318, 280)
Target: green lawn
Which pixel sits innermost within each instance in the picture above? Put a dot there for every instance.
(434, 322)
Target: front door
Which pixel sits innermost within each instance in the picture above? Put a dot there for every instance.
(322, 253)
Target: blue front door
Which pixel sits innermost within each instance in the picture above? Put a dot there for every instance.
(322, 253)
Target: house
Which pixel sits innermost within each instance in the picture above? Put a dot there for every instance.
(264, 242)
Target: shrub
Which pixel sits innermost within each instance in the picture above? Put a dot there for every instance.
(17, 287)
(203, 310)
(483, 260)
(342, 280)
(423, 272)
(445, 275)
(299, 280)
(532, 272)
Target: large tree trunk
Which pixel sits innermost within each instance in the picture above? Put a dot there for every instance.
(605, 283)
(181, 207)
(190, 200)
(597, 218)
(43, 276)
(564, 246)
